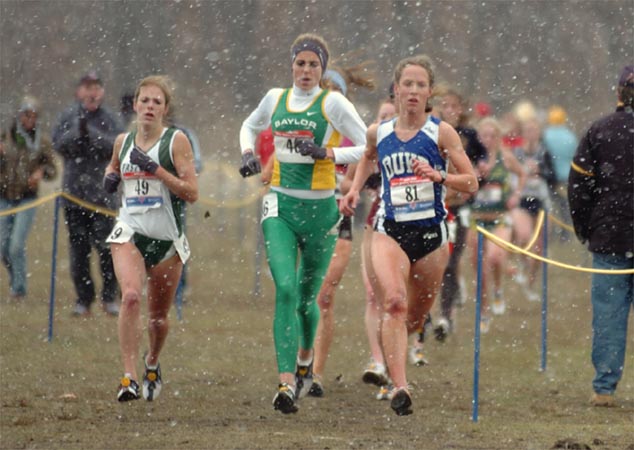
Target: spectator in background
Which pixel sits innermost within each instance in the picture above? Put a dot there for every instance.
(26, 158)
(601, 196)
(126, 110)
(84, 136)
(561, 143)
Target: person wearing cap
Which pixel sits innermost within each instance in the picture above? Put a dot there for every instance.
(83, 136)
(561, 142)
(300, 211)
(601, 196)
(26, 158)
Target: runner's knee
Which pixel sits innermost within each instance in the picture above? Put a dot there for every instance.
(396, 305)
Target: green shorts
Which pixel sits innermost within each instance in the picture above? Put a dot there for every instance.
(154, 251)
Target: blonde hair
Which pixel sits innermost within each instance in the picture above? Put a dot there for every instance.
(492, 122)
(163, 82)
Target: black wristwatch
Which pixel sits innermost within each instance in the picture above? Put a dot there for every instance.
(443, 176)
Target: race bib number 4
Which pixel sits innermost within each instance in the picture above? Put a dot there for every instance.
(269, 206)
(286, 150)
(412, 198)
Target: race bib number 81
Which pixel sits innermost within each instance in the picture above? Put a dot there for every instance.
(412, 198)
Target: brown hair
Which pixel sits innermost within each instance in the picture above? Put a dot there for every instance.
(357, 75)
(418, 60)
(451, 91)
(306, 38)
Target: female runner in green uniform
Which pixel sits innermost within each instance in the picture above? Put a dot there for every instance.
(299, 214)
(490, 209)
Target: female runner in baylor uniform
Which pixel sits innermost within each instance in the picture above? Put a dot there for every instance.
(156, 164)
(300, 212)
(408, 253)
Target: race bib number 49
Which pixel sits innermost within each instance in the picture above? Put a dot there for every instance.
(142, 192)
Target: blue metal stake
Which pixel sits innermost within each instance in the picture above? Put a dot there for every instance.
(545, 296)
(476, 350)
(51, 303)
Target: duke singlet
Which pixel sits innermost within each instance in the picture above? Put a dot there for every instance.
(292, 170)
(405, 196)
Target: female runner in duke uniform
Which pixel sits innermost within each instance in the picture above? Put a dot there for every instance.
(408, 252)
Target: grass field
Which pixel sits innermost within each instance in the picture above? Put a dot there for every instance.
(219, 370)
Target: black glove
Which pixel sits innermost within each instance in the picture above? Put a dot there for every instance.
(306, 147)
(142, 160)
(111, 182)
(250, 165)
(83, 127)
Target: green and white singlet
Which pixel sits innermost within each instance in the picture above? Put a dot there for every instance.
(149, 211)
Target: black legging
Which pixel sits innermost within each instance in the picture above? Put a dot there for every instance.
(450, 283)
(87, 229)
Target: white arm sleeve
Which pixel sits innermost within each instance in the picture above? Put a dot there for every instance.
(258, 120)
(346, 120)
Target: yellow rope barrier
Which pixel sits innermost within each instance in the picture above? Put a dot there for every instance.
(560, 223)
(538, 228)
(33, 204)
(230, 174)
(504, 244)
(88, 205)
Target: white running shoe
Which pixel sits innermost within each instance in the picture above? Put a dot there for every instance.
(485, 324)
(417, 356)
(152, 382)
(375, 374)
(442, 329)
(498, 307)
(531, 295)
(385, 392)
